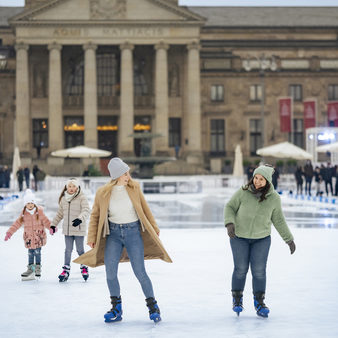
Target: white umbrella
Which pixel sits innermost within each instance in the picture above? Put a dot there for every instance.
(238, 163)
(15, 165)
(81, 152)
(285, 150)
(331, 147)
(16, 162)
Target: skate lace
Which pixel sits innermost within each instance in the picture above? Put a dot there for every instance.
(84, 271)
(153, 308)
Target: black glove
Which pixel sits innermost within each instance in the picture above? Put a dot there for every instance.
(231, 230)
(53, 228)
(292, 246)
(76, 222)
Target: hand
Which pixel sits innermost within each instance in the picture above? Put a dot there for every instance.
(231, 230)
(53, 230)
(92, 245)
(76, 222)
(292, 246)
(8, 236)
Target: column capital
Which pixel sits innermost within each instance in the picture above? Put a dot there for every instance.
(21, 45)
(194, 45)
(126, 45)
(89, 45)
(54, 45)
(161, 45)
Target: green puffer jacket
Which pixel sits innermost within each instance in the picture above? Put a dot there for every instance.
(252, 218)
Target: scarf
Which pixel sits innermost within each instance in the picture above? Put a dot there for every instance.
(31, 211)
(256, 192)
(69, 197)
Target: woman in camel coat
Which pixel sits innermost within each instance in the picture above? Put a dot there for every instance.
(122, 228)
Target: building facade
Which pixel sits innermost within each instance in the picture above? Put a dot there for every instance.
(101, 73)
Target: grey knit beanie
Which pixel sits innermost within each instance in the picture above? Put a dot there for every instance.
(265, 171)
(117, 168)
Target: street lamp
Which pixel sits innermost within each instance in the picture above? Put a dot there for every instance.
(261, 64)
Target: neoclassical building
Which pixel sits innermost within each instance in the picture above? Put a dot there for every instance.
(105, 73)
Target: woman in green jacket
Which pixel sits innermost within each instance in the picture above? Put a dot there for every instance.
(248, 217)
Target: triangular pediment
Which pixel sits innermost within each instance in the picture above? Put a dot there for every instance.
(114, 11)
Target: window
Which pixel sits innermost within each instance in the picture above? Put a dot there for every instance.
(140, 81)
(217, 137)
(298, 133)
(75, 81)
(333, 92)
(217, 93)
(40, 133)
(107, 133)
(74, 131)
(174, 132)
(296, 92)
(142, 144)
(107, 75)
(256, 93)
(255, 136)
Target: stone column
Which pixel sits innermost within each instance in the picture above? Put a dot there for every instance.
(194, 105)
(55, 121)
(161, 100)
(22, 119)
(90, 96)
(126, 123)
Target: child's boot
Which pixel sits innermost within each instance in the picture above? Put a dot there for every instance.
(237, 301)
(261, 308)
(38, 270)
(29, 274)
(115, 314)
(84, 272)
(63, 277)
(154, 310)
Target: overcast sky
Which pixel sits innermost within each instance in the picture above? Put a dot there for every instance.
(226, 2)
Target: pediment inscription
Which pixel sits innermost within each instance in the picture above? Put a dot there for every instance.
(108, 9)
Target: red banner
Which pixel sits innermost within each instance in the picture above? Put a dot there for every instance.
(285, 113)
(310, 113)
(332, 113)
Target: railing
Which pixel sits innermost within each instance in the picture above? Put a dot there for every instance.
(72, 101)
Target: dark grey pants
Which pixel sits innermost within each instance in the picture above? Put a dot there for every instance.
(69, 240)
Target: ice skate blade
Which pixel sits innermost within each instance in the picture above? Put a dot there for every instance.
(112, 320)
(28, 278)
(156, 319)
(263, 315)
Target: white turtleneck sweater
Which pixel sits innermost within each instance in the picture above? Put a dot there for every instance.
(121, 209)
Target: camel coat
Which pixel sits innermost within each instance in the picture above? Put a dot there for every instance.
(99, 228)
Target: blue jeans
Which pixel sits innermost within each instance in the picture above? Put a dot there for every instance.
(69, 241)
(34, 253)
(125, 235)
(253, 252)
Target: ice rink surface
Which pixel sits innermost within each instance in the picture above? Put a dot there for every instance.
(193, 293)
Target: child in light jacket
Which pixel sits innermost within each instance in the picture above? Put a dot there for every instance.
(74, 210)
(34, 221)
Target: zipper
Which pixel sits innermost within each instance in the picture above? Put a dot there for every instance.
(68, 216)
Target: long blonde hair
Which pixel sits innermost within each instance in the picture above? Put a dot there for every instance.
(106, 190)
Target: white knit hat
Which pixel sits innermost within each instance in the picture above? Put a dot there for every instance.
(29, 197)
(117, 168)
(74, 181)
